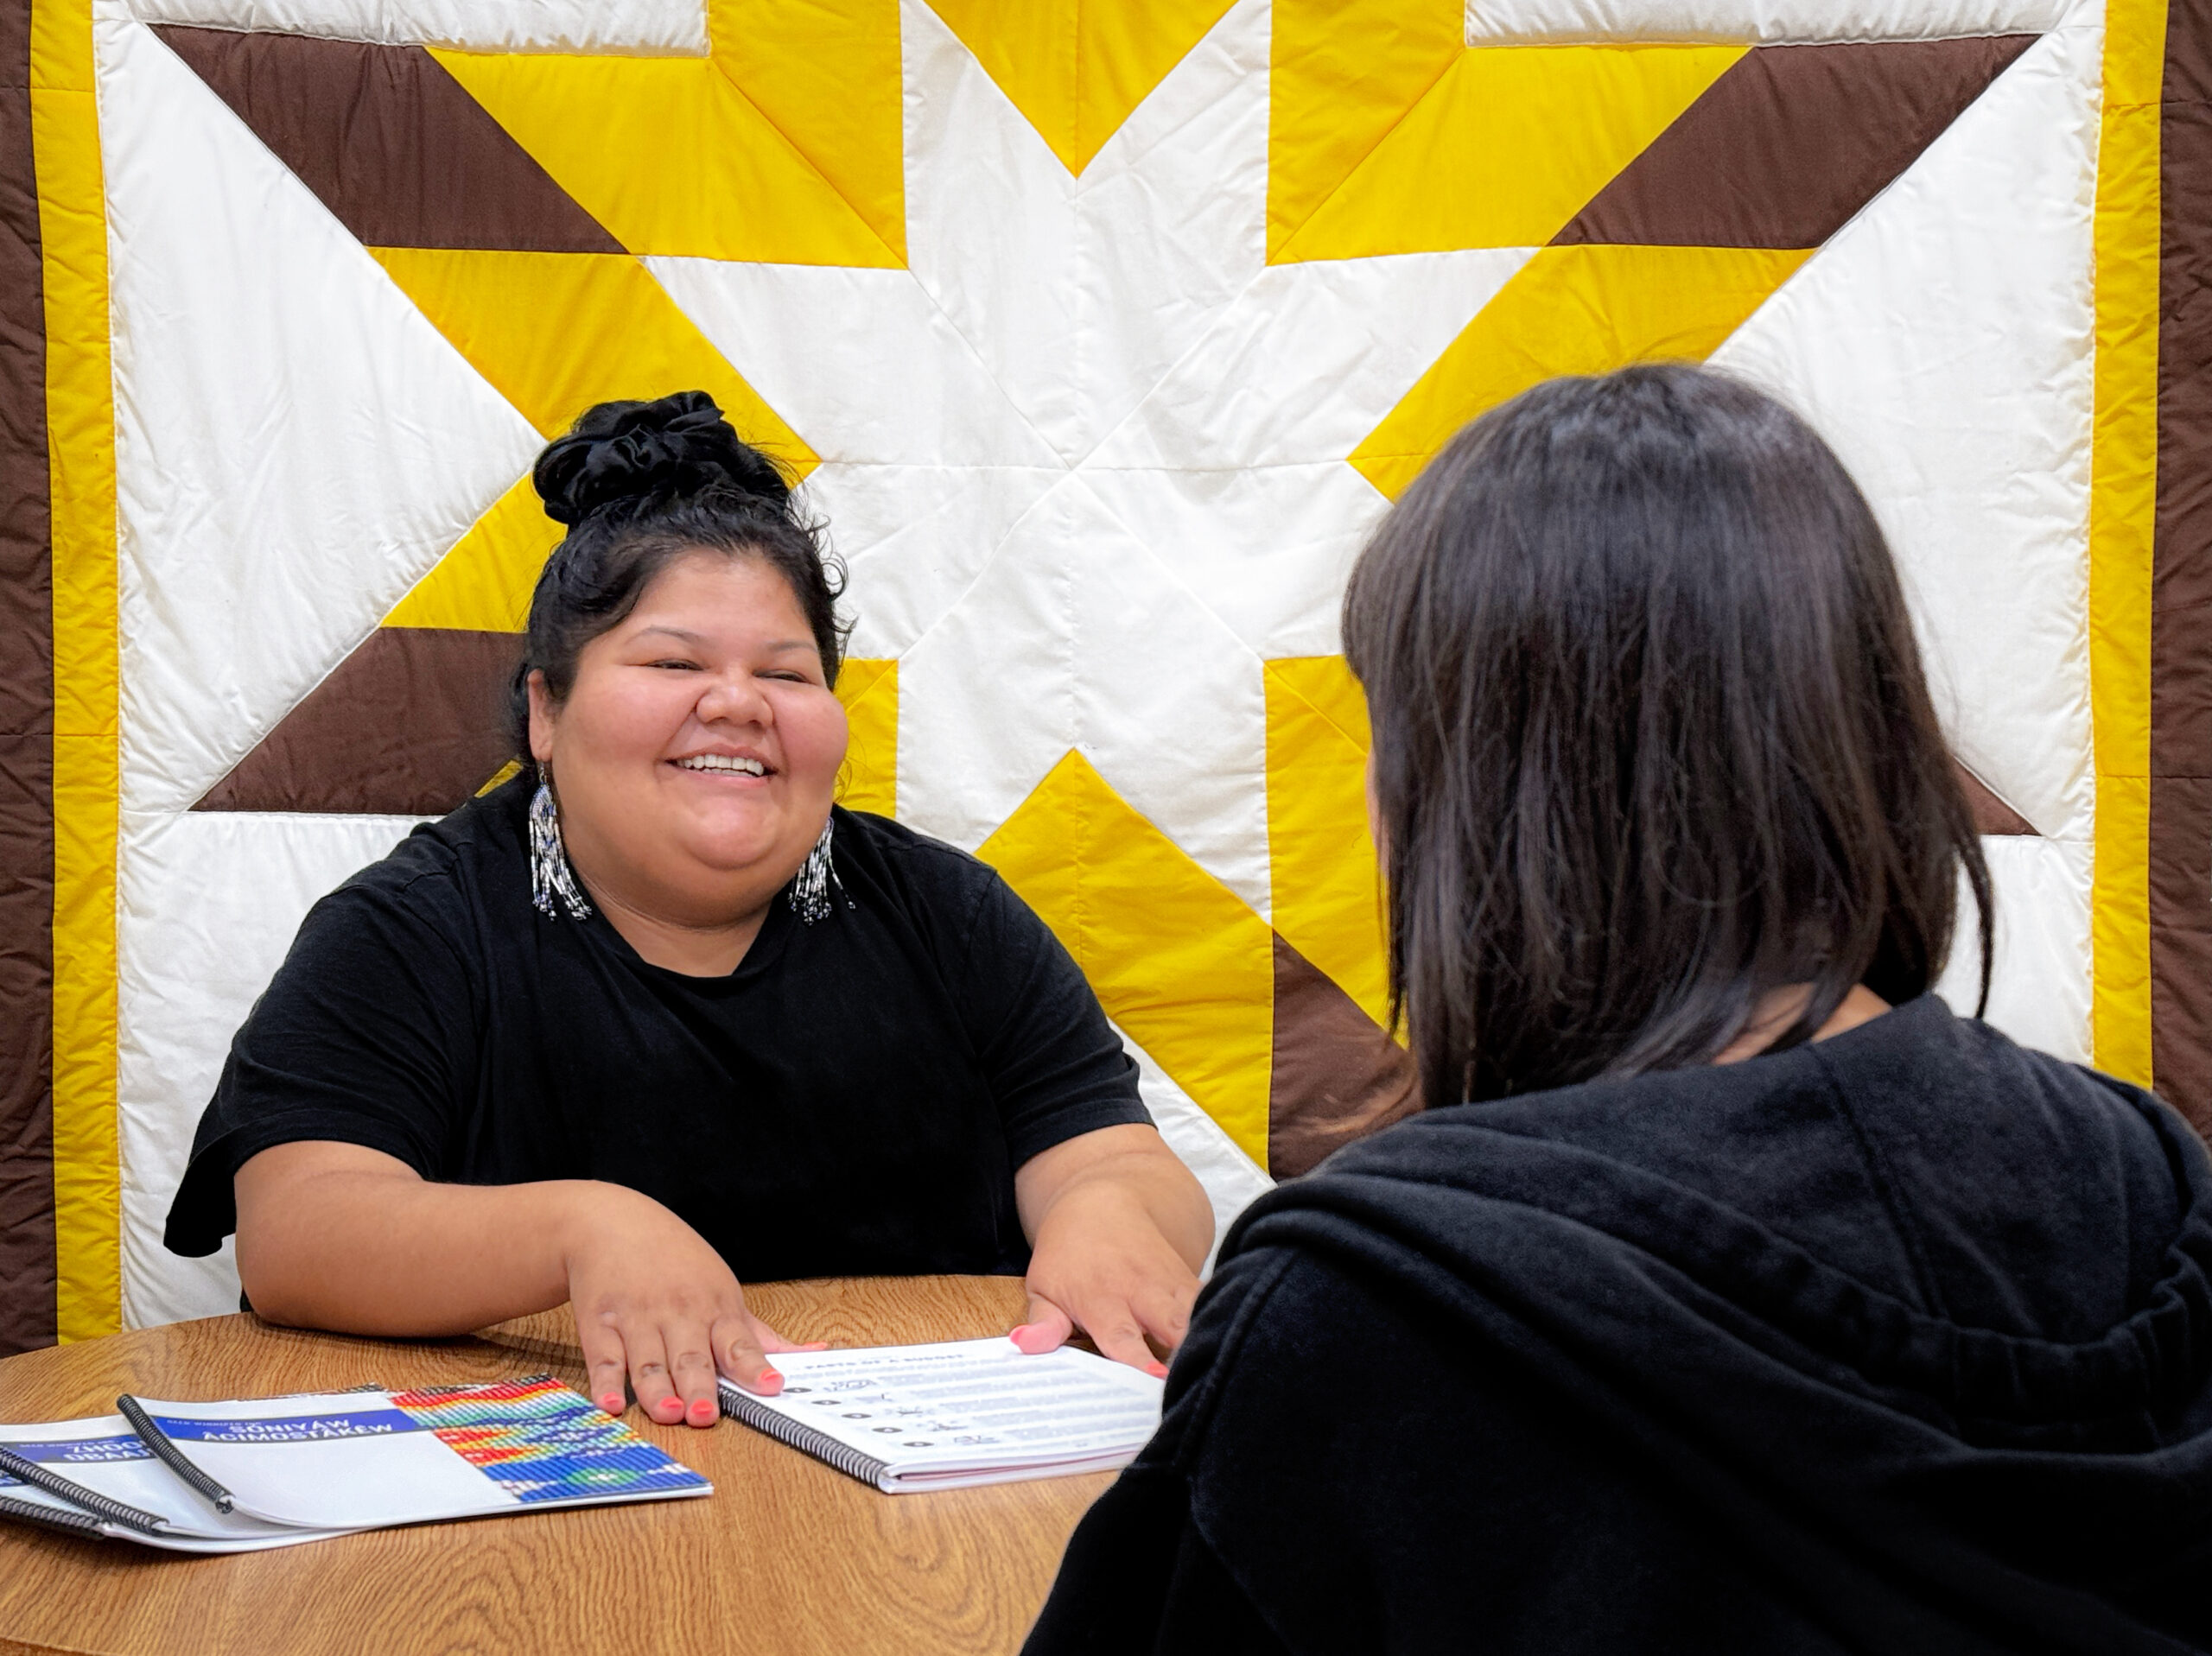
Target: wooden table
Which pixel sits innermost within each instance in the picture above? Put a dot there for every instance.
(786, 1555)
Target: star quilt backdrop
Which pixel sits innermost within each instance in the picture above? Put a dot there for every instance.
(1101, 333)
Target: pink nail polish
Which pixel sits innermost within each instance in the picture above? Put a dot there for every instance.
(770, 1381)
(1157, 1370)
(611, 1403)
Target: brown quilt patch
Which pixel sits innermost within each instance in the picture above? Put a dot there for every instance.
(1782, 150)
(391, 142)
(1990, 813)
(410, 724)
(1336, 1074)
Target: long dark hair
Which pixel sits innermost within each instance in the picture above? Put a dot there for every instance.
(640, 484)
(1650, 738)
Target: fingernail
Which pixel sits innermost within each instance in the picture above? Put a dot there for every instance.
(702, 1410)
(769, 1381)
(1157, 1370)
(612, 1402)
(1016, 1335)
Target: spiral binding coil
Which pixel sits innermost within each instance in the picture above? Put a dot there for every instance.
(76, 1494)
(50, 1518)
(853, 1463)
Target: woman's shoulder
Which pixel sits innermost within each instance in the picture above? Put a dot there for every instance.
(956, 904)
(1919, 1066)
(1919, 1090)
(924, 869)
(443, 870)
(1902, 1154)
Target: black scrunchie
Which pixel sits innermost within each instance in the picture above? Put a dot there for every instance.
(625, 451)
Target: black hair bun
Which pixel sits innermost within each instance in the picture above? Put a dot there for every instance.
(677, 446)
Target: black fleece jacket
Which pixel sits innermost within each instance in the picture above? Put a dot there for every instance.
(1898, 1342)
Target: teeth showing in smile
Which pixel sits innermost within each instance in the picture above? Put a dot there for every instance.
(724, 762)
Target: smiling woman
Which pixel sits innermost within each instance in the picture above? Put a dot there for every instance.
(655, 1016)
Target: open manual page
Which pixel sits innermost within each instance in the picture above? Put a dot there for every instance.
(957, 1413)
(232, 1476)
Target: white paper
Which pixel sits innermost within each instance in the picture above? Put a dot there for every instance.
(968, 1412)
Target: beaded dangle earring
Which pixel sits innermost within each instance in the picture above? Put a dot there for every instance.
(811, 887)
(550, 877)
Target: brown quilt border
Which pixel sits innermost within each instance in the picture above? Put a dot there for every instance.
(2181, 595)
(27, 1230)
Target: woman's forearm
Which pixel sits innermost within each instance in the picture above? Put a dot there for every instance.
(334, 1236)
(1128, 1168)
(1170, 1195)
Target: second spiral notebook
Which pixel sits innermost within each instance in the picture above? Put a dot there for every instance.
(953, 1414)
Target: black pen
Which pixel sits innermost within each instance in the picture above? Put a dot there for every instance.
(170, 1455)
(76, 1494)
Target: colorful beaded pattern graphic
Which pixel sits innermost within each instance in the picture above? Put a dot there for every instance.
(544, 1442)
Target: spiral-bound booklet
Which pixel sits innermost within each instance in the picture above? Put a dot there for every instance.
(233, 1476)
(955, 1414)
(97, 1477)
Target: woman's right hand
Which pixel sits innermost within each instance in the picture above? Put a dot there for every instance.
(658, 1305)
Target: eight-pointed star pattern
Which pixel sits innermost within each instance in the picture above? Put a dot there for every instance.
(1099, 375)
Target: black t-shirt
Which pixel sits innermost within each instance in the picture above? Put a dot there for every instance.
(854, 1099)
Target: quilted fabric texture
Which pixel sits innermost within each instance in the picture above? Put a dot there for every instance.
(1101, 333)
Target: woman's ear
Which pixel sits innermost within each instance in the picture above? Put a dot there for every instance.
(545, 717)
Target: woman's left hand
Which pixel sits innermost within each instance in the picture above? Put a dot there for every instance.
(1118, 1229)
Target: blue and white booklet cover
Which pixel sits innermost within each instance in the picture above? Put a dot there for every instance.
(232, 1476)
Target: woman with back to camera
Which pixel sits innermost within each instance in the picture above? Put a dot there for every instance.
(653, 1016)
(1748, 1300)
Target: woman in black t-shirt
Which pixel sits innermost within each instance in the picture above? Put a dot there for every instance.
(653, 1016)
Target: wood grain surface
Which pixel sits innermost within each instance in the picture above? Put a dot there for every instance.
(786, 1555)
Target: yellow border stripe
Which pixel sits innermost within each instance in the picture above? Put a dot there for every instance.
(80, 436)
(2123, 507)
